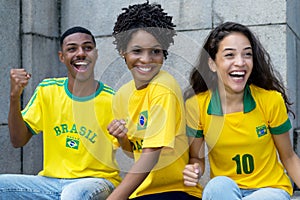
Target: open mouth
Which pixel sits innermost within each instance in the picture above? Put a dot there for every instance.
(80, 66)
(237, 74)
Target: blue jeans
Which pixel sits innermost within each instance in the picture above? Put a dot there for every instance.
(222, 187)
(13, 186)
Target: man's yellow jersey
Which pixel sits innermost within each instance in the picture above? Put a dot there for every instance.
(76, 142)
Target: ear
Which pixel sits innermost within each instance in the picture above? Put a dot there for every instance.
(122, 53)
(60, 56)
(212, 65)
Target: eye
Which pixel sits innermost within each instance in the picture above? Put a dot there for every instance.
(229, 55)
(157, 51)
(71, 49)
(248, 54)
(88, 48)
(136, 51)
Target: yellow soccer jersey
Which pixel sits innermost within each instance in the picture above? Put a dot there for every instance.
(155, 118)
(76, 142)
(240, 144)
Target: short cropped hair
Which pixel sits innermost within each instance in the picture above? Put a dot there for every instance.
(76, 29)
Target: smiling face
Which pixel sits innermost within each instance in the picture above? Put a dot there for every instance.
(79, 54)
(233, 63)
(144, 57)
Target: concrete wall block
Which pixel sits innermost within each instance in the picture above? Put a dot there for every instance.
(293, 15)
(33, 155)
(251, 12)
(107, 57)
(10, 51)
(5, 93)
(9, 18)
(40, 17)
(292, 70)
(183, 55)
(297, 102)
(96, 15)
(187, 44)
(187, 15)
(115, 74)
(40, 58)
(273, 39)
(190, 14)
(10, 158)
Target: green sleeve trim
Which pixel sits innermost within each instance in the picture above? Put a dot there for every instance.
(31, 130)
(286, 126)
(108, 89)
(194, 133)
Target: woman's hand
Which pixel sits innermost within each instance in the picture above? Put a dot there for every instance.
(192, 174)
(117, 128)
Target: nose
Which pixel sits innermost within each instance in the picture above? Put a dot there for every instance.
(81, 52)
(239, 61)
(146, 57)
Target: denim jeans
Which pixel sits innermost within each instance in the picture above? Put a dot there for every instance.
(224, 188)
(27, 187)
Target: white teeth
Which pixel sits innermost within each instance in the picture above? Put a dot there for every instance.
(145, 69)
(81, 63)
(238, 73)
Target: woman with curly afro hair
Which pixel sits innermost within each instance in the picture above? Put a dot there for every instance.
(149, 112)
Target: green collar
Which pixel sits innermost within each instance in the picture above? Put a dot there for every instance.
(215, 107)
(86, 98)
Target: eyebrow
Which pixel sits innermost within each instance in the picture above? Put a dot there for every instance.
(232, 49)
(73, 43)
(155, 46)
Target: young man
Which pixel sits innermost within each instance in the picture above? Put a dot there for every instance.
(73, 113)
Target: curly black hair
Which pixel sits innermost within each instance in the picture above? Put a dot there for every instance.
(148, 17)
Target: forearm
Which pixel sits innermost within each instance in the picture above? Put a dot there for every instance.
(128, 185)
(126, 146)
(19, 133)
(197, 152)
(136, 175)
(292, 165)
(288, 157)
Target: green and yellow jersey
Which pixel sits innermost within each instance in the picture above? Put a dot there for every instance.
(155, 117)
(240, 145)
(76, 141)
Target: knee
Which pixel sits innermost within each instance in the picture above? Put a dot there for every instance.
(221, 182)
(221, 187)
(84, 193)
(87, 189)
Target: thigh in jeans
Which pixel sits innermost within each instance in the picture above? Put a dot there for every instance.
(86, 188)
(266, 194)
(16, 186)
